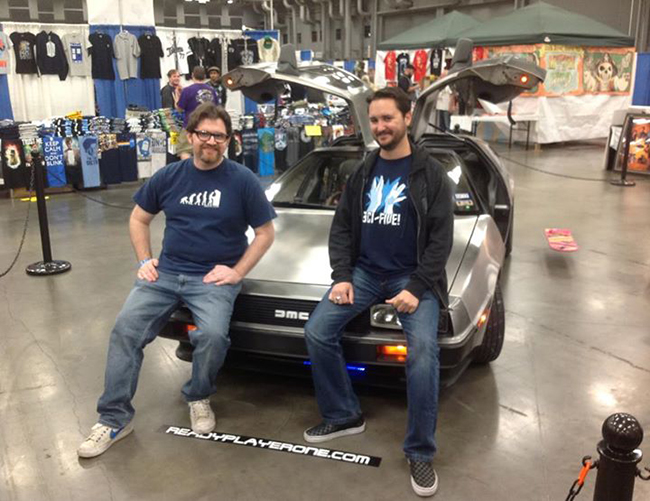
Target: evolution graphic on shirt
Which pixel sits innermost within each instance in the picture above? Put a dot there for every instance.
(384, 197)
(203, 199)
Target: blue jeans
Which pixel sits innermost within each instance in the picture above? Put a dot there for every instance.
(144, 313)
(336, 399)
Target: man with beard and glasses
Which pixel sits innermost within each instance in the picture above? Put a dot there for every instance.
(389, 243)
(209, 202)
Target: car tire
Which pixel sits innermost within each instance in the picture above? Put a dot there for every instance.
(490, 348)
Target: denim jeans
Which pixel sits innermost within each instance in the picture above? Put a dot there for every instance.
(144, 313)
(336, 399)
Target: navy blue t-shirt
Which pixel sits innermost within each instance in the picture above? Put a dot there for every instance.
(389, 221)
(207, 213)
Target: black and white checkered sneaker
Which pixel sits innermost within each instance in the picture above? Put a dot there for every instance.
(424, 478)
(324, 432)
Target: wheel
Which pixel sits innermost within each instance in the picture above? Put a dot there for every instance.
(490, 348)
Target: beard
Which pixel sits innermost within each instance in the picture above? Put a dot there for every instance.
(210, 155)
(395, 140)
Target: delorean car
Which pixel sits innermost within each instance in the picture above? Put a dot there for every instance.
(281, 292)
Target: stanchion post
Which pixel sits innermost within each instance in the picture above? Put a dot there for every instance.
(619, 456)
(48, 266)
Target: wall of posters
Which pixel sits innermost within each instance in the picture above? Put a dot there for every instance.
(608, 70)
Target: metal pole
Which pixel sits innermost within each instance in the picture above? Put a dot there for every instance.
(619, 456)
(47, 266)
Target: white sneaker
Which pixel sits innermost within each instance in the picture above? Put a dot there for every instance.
(101, 438)
(201, 416)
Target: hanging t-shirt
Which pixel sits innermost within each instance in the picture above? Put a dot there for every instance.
(25, 52)
(89, 161)
(5, 46)
(242, 51)
(389, 221)
(207, 213)
(50, 56)
(402, 62)
(213, 55)
(158, 151)
(194, 96)
(420, 60)
(266, 140)
(151, 52)
(14, 167)
(250, 143)
(72, 161)
(76, 53)
(390, 62)
(101, 52)
(436, 62)
(126, 50)
(128, 157)
(269, 49)
(53, 155)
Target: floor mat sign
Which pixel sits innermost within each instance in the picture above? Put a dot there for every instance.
(273, 445)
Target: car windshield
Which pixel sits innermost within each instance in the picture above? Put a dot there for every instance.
(318, 180)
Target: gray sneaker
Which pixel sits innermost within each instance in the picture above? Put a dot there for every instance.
(324, 432)
(424, 478)
(201, 416)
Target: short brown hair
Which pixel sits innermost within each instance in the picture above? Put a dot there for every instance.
(171, 72)
(198, 73)
(209, 111)
(400, 97)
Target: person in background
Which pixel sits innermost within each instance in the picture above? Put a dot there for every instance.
(215, 82)
(172, 91)
(191, 98)
(406, 84)
(443, 105)
(369, 79)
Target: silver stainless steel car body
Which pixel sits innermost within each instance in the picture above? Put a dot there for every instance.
(295, 273)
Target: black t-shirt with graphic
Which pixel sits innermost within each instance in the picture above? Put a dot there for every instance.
(436, 62)
(101, 52)
(389, 220)
(24, 49)
(403, 61)
(150, 53)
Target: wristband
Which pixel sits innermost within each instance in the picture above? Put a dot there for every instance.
(143, 262)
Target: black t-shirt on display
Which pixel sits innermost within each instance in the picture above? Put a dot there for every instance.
(150, 53)
(241, 52)
(436, 62)
(101, 53)
(402, 62)
(213, 55)
(24, 50)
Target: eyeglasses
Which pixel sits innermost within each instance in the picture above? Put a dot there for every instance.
(205, 136)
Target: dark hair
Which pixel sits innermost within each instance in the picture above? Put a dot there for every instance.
(410, 67)
(209, 111)
(198, 73)
(400, 97)
(171, 72)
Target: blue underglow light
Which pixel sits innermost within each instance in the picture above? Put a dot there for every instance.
(357, 368)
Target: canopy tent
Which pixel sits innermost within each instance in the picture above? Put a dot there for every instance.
(545, 23)
(440, 32)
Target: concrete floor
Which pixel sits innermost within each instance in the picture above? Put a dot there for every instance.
(577, 349)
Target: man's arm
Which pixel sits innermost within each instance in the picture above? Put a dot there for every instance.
(223, 275)
(140, 239)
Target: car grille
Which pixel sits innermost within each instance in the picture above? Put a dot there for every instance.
(295, 312)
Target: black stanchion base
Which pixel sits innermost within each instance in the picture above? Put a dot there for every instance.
(49, 268)
(622, 182)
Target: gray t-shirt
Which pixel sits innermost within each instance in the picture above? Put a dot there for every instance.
(126, 50)
(5, 47)
(77, 54)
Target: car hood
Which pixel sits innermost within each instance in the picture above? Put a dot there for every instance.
(299, 254)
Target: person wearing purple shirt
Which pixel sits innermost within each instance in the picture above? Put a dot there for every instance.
(191, 98)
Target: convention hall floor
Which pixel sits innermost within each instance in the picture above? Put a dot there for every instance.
(577, 349)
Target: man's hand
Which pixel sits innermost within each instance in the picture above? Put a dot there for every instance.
(148, 271)
(404, 302)
(222, 275)
(342, 293)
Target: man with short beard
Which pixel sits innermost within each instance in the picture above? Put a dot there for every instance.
(390, 240)
(171, 92)
(209, 202)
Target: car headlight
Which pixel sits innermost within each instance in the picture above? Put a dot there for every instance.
(384, 316)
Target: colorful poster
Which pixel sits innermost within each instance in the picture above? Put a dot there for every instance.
(266, 151)
(639, 155)
(608, 71)
(563, 72)
(530, 53)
